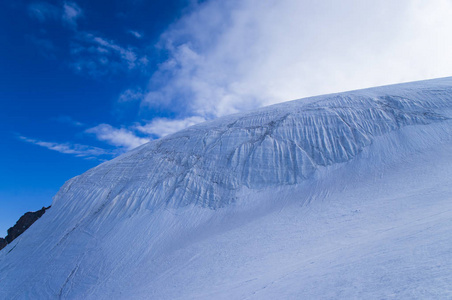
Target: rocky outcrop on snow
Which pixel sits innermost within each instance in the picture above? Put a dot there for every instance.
(21, 225)
(3, 243)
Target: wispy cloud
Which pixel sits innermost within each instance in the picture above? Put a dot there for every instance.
(122, 139)
(229, 56)
(136, 34)
(90, 53)
(161, 127)
(127, 55)
(117, 137)
(130, 95)
(44, 11)
(99, 56)
(68, 12)
(84, 151)
(69, 120)
(71, 12)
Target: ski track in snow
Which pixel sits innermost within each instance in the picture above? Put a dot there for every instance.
(339, 196)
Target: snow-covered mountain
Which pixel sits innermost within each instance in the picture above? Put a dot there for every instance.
(339, 196)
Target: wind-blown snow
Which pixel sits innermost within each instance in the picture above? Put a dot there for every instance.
(278, 145)
(337, 196)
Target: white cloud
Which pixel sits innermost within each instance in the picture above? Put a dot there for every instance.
(89, 53)
(117, 137)
(71, 12)
(131, 95)
(229, 56)
(161, 127)
(99, 56)
(126, 55)
(136, 34)
(78, 150)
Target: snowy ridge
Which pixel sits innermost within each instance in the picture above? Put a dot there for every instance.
(278, 145)
(337, 196)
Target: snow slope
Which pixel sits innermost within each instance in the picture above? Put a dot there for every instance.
(338, 196)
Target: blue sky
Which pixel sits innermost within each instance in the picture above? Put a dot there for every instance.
(84, 81)
(50, 94)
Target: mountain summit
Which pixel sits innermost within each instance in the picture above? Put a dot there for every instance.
(339, 196)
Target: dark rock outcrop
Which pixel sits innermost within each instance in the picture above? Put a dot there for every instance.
(21, 225)
(3, 243)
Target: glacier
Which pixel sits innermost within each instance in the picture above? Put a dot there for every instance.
(337, 196)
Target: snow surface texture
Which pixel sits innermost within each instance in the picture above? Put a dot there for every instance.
(338, 196)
